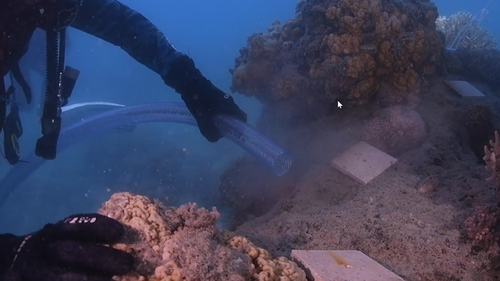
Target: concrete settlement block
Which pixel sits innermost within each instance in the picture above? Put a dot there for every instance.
(465, 89)
(341, 266)
(363, 162)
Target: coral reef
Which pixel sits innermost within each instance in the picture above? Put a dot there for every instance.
(395, 129)
(483, 228)
(183, 244)
(476, 37)
(341, 49)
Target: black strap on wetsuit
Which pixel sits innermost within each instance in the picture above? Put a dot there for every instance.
(15, 71)
(11, 123)
(13, 128)
(51, 118)
(59, 85)
(59, 81)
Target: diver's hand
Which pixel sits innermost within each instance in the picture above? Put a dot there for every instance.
(206, 104)
(71, 250)
(201, 97)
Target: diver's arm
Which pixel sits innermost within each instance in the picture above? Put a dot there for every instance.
(116, 23)
(119, 25)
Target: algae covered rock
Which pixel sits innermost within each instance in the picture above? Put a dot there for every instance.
(395, 129)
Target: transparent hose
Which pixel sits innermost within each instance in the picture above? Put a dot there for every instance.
(242, 134)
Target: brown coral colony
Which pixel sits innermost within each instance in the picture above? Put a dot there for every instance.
(346, 50)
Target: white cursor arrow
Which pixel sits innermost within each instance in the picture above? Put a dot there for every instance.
(339, 105)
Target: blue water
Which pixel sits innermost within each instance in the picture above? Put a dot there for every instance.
(212, 32)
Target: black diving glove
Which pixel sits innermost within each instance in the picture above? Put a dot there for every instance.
(201, 97)
(69, 250)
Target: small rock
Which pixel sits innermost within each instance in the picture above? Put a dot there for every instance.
(428, 185)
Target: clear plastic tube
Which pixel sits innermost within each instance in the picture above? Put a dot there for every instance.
(242, 134)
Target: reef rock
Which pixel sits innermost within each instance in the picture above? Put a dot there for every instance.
(340, 50)
(395, 130)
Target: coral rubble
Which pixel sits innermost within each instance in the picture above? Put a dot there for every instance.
(183, 244)
(341, 49)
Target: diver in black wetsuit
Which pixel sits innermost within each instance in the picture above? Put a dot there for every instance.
(115, 23)
(71, 249)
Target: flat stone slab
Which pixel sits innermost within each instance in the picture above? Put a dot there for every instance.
(363, 162)
(346, 265)
(464, 89)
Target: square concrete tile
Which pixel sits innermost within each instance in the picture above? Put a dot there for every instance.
(465, 89)
(347, 265)
(363, 162)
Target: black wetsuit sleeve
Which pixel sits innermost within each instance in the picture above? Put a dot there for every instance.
(119, 25)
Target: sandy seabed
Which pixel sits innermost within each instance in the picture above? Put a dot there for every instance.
(411, 218)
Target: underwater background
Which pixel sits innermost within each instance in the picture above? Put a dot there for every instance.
(437, 184)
